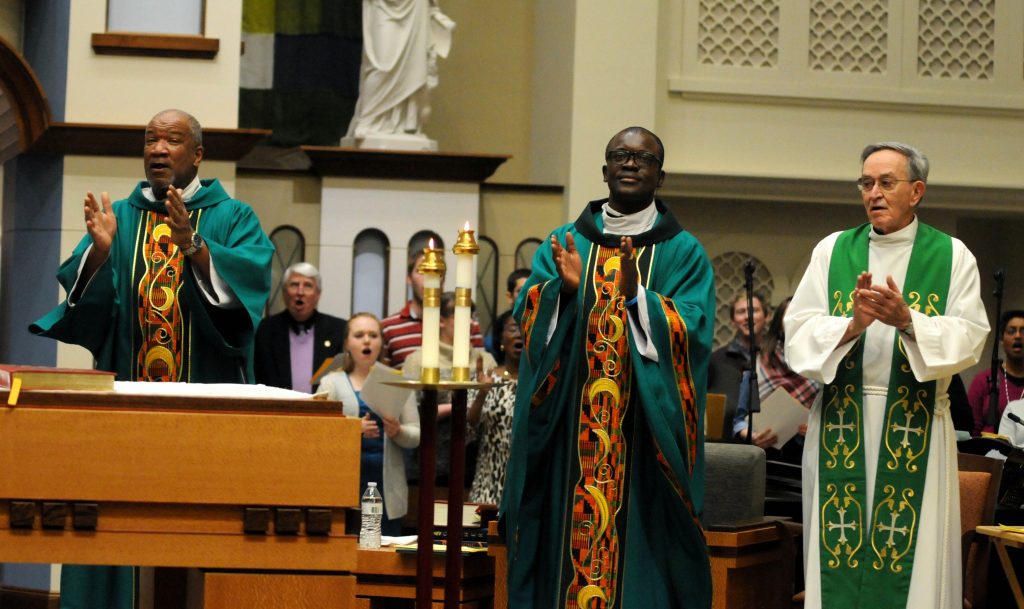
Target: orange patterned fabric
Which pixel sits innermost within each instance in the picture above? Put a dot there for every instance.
(601, 444)
(684, 382)
(160, 320)
(530, 314)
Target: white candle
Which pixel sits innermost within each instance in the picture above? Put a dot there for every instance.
(465, 250)
(432, 269)
(431, 321)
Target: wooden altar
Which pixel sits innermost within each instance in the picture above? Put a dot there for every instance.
(219, 483)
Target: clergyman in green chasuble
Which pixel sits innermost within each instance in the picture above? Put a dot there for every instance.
(605, 481)
(168, 285)
(884, 315)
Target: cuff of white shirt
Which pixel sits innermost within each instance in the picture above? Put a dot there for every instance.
(218, 293)
(642, 332)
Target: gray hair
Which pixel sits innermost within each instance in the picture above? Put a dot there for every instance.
(195, 129)
(917, 162)
(303, 268)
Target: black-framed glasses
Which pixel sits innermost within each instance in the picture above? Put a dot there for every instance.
(866, 184)
(642, 159)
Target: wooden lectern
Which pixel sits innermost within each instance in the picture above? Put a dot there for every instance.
(219, 483)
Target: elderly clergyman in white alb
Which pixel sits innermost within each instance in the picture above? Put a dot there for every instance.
(886, 313)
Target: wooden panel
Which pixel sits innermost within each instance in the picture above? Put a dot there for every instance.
(385, 573)
(155, 45)
(751, 568)
(179, 457)
(256, 591)
(127, 140)
(178, 549)
(403, 165)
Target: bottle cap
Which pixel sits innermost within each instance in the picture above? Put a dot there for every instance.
(368, 484)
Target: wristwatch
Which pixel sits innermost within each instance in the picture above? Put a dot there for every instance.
(198, 243)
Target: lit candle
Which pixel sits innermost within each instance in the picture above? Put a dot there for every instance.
(432, 269)
(465, 250)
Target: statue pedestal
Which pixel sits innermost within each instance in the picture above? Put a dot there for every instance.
(392, 141)
(398, 193)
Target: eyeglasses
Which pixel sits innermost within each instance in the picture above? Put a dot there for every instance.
(642, 159)
(866, 184)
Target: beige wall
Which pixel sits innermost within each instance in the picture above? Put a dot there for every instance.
(285, 199)
(130, 90)
(510, 216)
(482, 103)
(12, 15)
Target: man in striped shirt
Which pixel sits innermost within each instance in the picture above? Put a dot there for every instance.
(403, 331)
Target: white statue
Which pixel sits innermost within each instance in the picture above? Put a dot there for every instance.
(402, 40)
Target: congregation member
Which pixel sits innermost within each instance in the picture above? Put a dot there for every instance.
(1009, 378)
(383, 437)
(292, 345)
(513, 284)
(728, 363)
(403, 331)
(168, 285)
(490, 414)
(413, 366)
(605, 480)
(773, 373)
(885, 314)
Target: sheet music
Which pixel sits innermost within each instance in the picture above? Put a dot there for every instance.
(783, 414)
(383, 399)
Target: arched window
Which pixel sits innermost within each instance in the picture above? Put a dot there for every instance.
(419, 241)
(289, 248)
(370, 272)
(525, 251)
(729, 285)
(487, 283)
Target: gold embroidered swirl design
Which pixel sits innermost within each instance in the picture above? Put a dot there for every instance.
(932, 309)
(914, 301)
(888, 548)
(587, 594)
(833, 517)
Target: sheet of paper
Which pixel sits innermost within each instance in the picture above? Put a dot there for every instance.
(383, 399)
(783, 414)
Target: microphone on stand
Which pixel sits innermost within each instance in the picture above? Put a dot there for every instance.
(753, 396)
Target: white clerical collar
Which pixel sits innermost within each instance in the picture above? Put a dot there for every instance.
(907, 233)
(186, 195)
(616, 223)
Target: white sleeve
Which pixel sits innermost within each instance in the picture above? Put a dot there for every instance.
(641, 328)
(812, 333)
(218, 293)
(943, 345)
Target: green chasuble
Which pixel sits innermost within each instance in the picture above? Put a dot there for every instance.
(605, 480)
(867, 551)
(143, 317)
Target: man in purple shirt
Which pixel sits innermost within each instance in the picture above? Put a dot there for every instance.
(293, 344)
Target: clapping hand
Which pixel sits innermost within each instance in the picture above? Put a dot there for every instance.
(567, 262)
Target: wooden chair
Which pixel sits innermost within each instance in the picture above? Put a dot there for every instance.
(979, 489)
(714, 418)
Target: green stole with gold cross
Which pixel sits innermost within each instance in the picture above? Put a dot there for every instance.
(870, 566)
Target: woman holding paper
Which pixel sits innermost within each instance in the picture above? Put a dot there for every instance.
(384, 437)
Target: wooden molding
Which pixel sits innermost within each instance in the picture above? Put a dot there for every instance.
(155, 45)
(25, 94)
(403, 165)
(23, 598)
(91, 139)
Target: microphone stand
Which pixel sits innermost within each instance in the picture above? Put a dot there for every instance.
(753, 397)
(993, 377)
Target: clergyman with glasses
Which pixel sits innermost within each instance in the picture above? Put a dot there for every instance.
(605, 480)
(885, 314)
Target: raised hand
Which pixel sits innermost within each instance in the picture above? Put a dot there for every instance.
(627, 272)
(177, 218)
(100, 222)
(567, 262)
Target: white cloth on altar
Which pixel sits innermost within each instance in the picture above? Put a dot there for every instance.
(944, 345)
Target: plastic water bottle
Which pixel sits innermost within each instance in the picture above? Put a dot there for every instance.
(373, 510)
